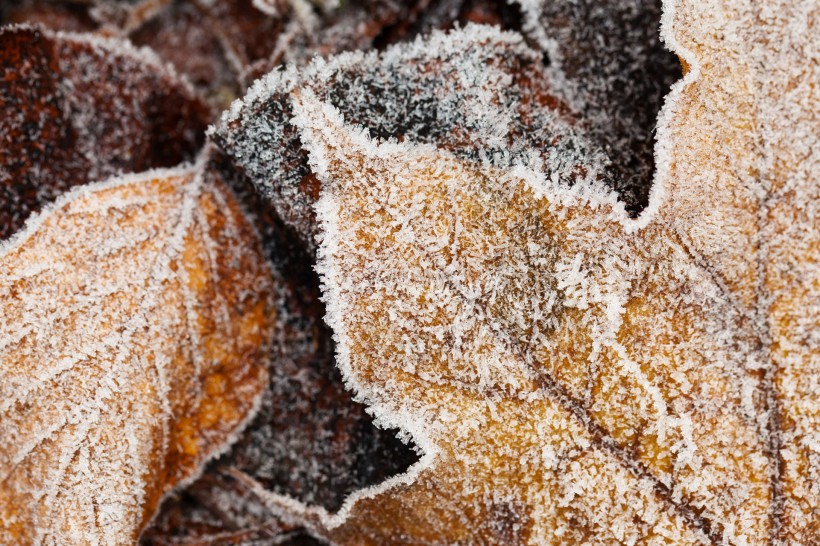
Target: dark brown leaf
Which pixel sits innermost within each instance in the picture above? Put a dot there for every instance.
(76, 109)
(480, 94)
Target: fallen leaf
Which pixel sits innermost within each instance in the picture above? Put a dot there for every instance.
(75, 109)
(137, 318)
(607, 61)
(571, 374)
(212, 43)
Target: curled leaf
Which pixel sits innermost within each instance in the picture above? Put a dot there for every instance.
(136, 322)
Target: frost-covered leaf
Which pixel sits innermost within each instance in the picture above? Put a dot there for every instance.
(136, 322)
(478, 92)
(573, 375)
(742, 172)
(607, 61)
(212, 43)
(75, 109)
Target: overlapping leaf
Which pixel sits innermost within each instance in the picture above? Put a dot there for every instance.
(309, 440)
(573, 375)
(480, 93)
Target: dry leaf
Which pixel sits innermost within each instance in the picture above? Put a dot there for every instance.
(136, 323)
(743, 164)
(212, 43)
(573, 375)
(75, 109)
(607, 61)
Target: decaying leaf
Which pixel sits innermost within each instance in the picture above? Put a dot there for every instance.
(75, 109)
(573, 375)
(212, 43)
(136, 322)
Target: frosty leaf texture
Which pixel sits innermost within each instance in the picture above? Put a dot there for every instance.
(570, 374)
(741, 164)
(136, 321)
(478, 92)
(75, 109)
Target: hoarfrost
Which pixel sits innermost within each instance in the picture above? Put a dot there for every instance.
(657, 378)
(125, 367)
(475, 289)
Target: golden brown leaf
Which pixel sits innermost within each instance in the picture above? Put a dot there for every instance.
(572, 375)
(743, 194)
(136, 319)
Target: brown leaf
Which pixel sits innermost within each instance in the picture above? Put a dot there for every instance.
(606, 59)
(743, 196)
(573, 375)
(75, 109)
(137, 318)
(212, 43)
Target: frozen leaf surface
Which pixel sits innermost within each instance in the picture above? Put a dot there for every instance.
(742, 158)
(75, 109)
(573, 375)
(136, 321)
(477, 92)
